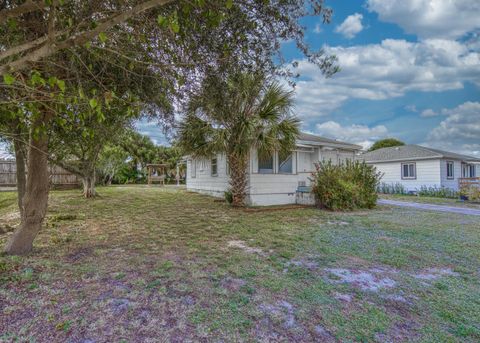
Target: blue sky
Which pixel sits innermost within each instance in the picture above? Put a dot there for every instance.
(410, 69)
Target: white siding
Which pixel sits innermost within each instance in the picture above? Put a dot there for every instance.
(457, 172)
(335, 155)
(278, 189)
(272, 189)
(204, 182)
(305, 161)
(263, 189)
(428, 174)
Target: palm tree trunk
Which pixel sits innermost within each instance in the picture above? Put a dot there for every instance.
(238, 178)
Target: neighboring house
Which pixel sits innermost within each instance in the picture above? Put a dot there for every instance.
(272, 180)
(415, 166)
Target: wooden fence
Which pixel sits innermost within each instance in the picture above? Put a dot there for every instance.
(59, 177)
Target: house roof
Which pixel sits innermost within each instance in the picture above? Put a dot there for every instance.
(413, 152)
(309, 139)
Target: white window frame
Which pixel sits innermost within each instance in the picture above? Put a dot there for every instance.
(452, 164)
(468, 170)
(214, 164)
(279, 161)
(273, 164)
(409, 177)
(193, 172)
(471, 170)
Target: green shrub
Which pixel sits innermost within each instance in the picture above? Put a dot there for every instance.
(472, 193)
(346, 186)
(391, 188)
(228, 196)
(438, 192)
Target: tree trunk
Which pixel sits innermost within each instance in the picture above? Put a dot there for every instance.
(238, 179)
(20, 160)
(36, 194)
(89, 184)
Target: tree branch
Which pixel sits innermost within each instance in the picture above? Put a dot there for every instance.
(27, 7)
(76, 40)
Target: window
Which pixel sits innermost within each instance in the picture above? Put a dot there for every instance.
(265, 163)
(214, 166)
(409, 171)
(450, 172)
(193, 172)
(468, 170)
(285, 163)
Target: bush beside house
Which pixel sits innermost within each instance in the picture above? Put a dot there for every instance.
(346, 186)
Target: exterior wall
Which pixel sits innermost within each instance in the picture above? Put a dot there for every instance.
(203, 182)
(457, 173)
(334, 155)
(263, 189)
(427, 171)
(273, 189)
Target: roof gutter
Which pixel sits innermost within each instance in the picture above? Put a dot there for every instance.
(329, 144)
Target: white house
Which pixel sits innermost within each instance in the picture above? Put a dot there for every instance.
(273, 180)
(415, 166)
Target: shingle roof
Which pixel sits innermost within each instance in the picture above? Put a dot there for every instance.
(412, 152)
(307, 137)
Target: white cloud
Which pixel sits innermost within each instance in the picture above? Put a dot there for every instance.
(411, 108)
(460, 131)
(153, 130)
(351, 26)
(386, 70)
(318, 28)
(428, 113)
(430, 18)
(359, 134)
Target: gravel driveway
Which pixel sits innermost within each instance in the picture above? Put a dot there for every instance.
(431, 207)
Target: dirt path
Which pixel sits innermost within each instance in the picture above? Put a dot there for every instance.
(431, 207)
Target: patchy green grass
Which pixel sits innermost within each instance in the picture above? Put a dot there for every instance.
(145, 264)
(431, 200)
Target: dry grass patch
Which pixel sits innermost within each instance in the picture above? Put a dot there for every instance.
(143, 264)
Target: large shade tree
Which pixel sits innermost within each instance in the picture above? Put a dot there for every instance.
(232, 116)
(386, 143)
(176, 41)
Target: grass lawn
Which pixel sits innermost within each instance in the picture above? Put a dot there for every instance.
(431, 200)
(145, 264)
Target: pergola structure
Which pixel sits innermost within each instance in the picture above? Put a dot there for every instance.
(156, 173)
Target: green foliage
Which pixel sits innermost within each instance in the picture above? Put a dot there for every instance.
(112, 158)
(237, 113)
(391, 188)
(346, 186)
(8, 79)
(125, 159)
(234, 114)
(471, 193)
(228, 196)
(437, 192)
(386, 143)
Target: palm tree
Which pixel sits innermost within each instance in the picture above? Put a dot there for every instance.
(234, 115)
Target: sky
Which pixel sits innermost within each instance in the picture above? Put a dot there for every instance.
(410, 69)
